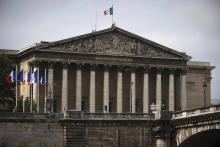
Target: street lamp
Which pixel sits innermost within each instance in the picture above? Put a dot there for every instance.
(204, 90)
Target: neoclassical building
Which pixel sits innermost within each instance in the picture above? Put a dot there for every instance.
(115, 71)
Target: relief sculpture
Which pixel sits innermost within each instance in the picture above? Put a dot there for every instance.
(113, 43)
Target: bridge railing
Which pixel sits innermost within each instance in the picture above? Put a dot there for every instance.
(195, 112)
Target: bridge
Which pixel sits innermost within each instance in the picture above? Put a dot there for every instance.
(196, 127)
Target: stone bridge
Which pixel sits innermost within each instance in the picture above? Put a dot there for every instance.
(196, 127)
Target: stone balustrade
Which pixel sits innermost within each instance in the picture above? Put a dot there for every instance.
(196, 112)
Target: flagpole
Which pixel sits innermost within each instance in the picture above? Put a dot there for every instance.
(16, 88)
(22, 72)
(112, 15)
(45, 106)
(96, 17)
(31, 92)
(38, 88)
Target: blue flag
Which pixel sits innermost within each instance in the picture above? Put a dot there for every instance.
(21, 76)
(28, 77)
(43, 79)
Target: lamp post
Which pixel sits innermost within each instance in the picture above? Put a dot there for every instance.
(204, 90)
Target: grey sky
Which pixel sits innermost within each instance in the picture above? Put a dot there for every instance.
(191, 26)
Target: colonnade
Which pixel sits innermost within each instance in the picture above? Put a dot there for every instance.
(92, 99)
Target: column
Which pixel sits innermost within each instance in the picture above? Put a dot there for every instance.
(133, 91)
(158, 90)
(36, 87)
(64, 88)
(50, 85)
(183, 90)
(119, 90)
(106, 90)
(78, 87)
(146, 91)
(171, 90)
(92, 90)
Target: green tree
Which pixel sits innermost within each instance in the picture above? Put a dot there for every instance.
(7, 95)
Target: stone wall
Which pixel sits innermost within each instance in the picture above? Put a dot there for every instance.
(107, 134)
(195, 91)
(31, 134)
(42, 130)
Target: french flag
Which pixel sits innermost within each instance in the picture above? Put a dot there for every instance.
(43, 79)
(11, 77)
(109, 11)
(28, 77)
(34, 77)
(21, 77)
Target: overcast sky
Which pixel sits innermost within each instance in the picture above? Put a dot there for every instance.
(191, 26)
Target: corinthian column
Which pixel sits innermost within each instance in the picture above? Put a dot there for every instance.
(171, 90)
(133, 91)
(36, 87)
(119, 90)
(64, 88)
(78, 88)
(106, 89)
(92, 90)
(50, 84)
(146, 92)
(158, 90)
(183, 90)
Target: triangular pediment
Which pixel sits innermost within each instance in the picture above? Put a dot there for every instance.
(114, 41)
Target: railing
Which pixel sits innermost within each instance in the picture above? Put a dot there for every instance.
(195, 112)
(108, 116)
(76, 115)
(20, 115)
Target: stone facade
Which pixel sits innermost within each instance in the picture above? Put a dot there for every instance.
(113, 71)
(31, 134)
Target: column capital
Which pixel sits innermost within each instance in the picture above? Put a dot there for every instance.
(184, 71)
(65, 64)
(120, 68)
(50, 64)
(106, 67)
(35, 63)
(79, 65)
(133, 68)
(172, 70)
(159, 69)
(146, 69)
(93, 66)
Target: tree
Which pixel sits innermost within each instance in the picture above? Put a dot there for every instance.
(7, 95)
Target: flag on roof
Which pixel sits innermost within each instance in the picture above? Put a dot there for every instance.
(109, 11)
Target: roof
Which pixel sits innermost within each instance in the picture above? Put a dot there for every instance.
(9, 51)
(111, 29)
(199, 64)
(43, 45)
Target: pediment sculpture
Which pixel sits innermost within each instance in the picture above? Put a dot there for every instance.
(113, 43)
